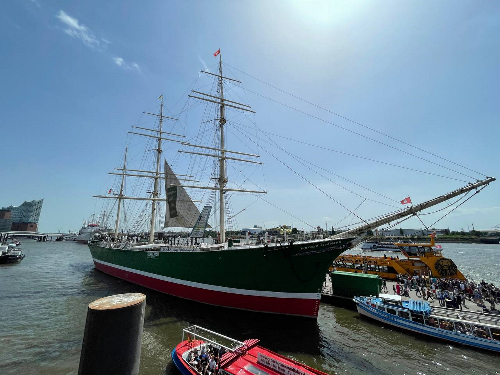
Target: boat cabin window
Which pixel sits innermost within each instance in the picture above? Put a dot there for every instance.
(382, 308)
(495, 333)
(481, 332)
(462, 328)
(391, 311)
(444, 324)
(255, 370)
(432, 322)
(404, 314)
(418, 319)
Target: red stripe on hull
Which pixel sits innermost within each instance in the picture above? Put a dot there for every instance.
(288, 306)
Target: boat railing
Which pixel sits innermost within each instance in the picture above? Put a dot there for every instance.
(195, 332)
(475, 317)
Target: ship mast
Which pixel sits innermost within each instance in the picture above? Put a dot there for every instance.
(222, 179)
(120, 196)
(222, 161)
(160, 136)
(156, 178)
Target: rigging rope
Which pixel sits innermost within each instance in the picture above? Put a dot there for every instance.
(306, 180)
(356, 122)
(358, 134)
(362, 157)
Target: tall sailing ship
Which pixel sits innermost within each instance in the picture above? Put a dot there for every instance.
(280, 278)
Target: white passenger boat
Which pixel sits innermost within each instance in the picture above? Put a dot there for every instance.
(379, 246)
(479, 330)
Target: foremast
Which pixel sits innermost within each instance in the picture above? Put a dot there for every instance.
(156, 175)
(413, 210)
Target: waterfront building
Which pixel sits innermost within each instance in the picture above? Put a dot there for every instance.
(23, 218)
(254, 230)
(397, 232)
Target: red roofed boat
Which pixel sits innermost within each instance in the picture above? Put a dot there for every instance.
(202, 351)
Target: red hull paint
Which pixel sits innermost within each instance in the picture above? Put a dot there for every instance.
(289, 306)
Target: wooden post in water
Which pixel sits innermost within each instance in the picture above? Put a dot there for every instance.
(113, 332)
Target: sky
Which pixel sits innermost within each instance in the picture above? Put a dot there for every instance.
(358, 104)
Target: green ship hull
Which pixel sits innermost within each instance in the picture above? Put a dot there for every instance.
(281, 279)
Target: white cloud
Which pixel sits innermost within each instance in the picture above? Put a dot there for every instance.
(125, 65)
(137, 67)
(36, 3)
(77, 30)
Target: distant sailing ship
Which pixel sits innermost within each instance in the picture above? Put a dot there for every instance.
(280, 278)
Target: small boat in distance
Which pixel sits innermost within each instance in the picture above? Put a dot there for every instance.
(202, 351)
(479, 330)
(10, 254)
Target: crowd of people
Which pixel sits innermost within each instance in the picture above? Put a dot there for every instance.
(449, 292)
(206, 359)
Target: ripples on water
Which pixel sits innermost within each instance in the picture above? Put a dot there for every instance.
(44, 303)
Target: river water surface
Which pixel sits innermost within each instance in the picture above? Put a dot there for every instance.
(44, 299)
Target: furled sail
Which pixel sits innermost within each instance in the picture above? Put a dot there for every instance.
(180, 209)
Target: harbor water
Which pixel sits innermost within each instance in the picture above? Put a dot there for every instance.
(44, 299)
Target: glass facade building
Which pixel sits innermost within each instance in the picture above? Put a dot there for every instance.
(23, 217)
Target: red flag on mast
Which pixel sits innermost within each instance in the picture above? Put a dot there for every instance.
(217, 52)
(406, 200)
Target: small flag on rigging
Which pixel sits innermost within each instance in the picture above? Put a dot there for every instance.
(110, 191)
(407, 200)
(217, 52)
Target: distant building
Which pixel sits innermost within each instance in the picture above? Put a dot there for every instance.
(23, 218)
(255, 230)
(408, 232)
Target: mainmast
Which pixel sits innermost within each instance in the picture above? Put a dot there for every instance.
(222, 179)
(222, 161)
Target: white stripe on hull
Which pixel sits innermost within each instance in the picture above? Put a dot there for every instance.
(216, 288)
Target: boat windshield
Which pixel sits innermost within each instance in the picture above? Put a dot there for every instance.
(254, 370)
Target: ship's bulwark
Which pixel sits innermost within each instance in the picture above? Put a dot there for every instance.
(276, 279)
